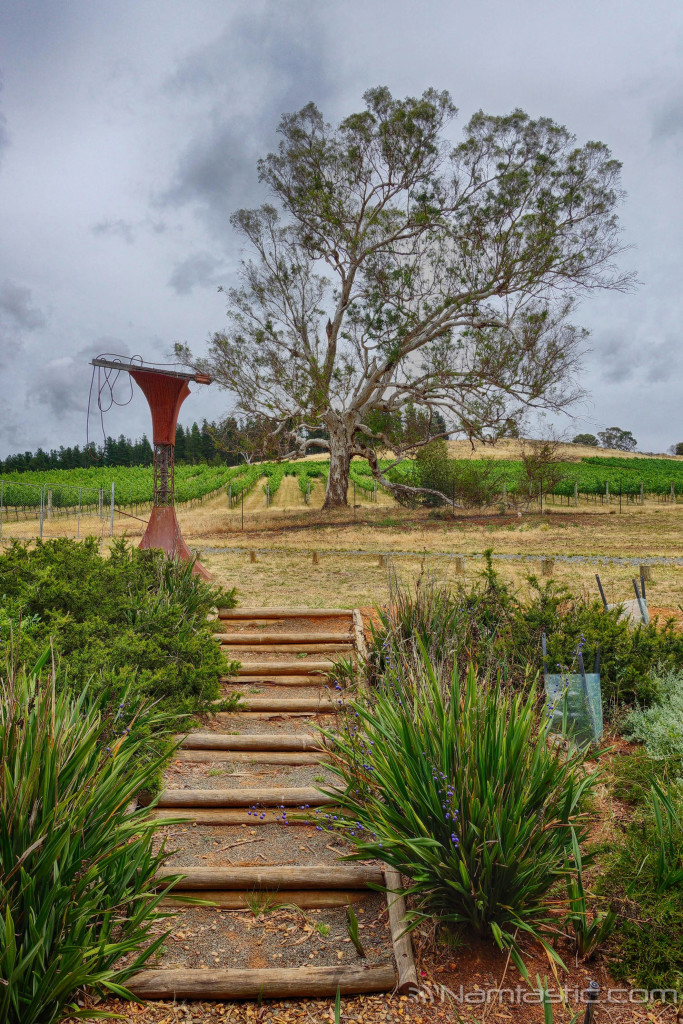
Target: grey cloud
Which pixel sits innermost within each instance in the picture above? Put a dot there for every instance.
(15, 303)
(264, 63)
(118, 228)
(196, 271)
(663, 360)
(669, 122)
(56, 385)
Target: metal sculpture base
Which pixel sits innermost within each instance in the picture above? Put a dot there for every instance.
(163, 531)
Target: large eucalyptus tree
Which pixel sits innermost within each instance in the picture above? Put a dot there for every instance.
(392, 267)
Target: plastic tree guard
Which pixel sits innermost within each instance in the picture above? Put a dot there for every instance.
(165, 392)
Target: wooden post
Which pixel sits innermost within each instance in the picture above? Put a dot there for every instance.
(607, 491)
(382, 561)
(576, 494)
(374, 493)
(459, 563)
(645, 572)
(42, 510)
(547, 566)
(111, 512)
(505, 493)
(642, 495)
(49, 504)
(673, 492)
(252, 556)
(316, 560)
(243, 508)
(101, 502)
(230, 495)
(400, 936)
(78, 520)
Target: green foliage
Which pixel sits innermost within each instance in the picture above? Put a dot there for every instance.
(644, 873)
(589, 440)
(489, 624)
(77, 866)
(451, 782)
(133, 622)
(132, 485)
(353, 932)
(615, 437)
(590, 932)
(590, 475)
(660, 727)
(472, 483)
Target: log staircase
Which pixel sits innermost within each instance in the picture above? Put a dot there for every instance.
(284, 654)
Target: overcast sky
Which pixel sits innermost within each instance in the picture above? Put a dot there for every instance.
(130, 129)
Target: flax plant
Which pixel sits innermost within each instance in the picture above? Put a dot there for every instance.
(77, 864)
(450, 780)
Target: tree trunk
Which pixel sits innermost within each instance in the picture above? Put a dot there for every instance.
(340, 460)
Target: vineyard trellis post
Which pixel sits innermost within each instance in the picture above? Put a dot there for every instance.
(101, 501)
(576, 494)
(111, 512)
(42, 509)
(78, 518)
(642, 494)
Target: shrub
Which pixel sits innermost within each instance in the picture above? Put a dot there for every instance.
(134, 621)
(487, 623)
(643, 872)
(77, 867)
(660, 727)
(452, 783)
(472, 484)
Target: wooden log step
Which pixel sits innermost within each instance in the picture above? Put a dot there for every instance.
(295, 796)
(290, 757)
(271, 680)
(252, 637)
(307, 899)
(285, 668)
(261, 983)
(321, 705)
(234, 650)
(282, 613)
(236, 816)
(251, 741)
(277, 876)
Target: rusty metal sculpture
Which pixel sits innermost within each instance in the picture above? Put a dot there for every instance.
(165, 391)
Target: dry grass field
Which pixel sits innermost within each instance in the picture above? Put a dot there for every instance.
(348, 544)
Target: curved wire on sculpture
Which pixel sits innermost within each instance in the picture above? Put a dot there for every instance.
(165, 390)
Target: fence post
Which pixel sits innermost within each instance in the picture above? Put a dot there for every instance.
(642, 496)
(607, 490)
(374, 495)
(230, 495)
(576, 494)
(111, 513)
(673, 493)
(49, 504)
(308, 492)
(42, 510)
(101, 502)
(505, 493)
(78, 519)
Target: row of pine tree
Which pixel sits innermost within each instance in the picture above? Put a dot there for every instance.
(193, 445)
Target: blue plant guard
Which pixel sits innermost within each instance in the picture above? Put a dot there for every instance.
(574, 701)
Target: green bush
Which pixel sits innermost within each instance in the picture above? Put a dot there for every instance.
(77, 866)
(643, 872)
(134, 621)
(489, 624)
(452, 783)
(660, 727)
(472, 484)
